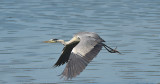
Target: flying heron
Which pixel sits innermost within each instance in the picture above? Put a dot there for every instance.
(79, 51)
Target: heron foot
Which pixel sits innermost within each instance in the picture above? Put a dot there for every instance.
(114, 50)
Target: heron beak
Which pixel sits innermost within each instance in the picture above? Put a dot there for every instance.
(50, 41)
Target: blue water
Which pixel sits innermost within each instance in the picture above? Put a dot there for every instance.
(131, 25)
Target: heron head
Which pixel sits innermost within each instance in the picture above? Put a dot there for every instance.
(75, 39)
(51, 41)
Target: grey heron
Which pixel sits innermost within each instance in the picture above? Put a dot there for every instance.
(79, 51)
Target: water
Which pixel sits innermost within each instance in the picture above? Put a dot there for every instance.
(131, 25)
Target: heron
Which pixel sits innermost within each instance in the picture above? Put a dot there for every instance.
(79, 52)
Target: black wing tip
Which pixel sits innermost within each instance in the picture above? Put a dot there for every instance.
(58, 64)
(54, 66)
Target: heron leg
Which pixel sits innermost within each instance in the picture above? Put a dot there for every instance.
(109, 49)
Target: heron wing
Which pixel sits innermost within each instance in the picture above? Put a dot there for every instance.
(80, 56)
(65, 54)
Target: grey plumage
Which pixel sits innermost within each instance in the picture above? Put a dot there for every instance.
(77, 63)
(65, 54)
(79, 51)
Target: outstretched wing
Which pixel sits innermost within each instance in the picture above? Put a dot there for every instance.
(81, 55)
(65, 54)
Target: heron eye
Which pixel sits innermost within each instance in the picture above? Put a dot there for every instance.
(54, 39)
(78, 37)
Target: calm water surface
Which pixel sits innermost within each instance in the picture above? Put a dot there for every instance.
(131, 25)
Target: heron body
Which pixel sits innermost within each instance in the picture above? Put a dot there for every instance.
(79, 51)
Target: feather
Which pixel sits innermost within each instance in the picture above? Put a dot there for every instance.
(81, 55)
(65, 54)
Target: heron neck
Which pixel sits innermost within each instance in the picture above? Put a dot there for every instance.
(62, 41)
(68, 42)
